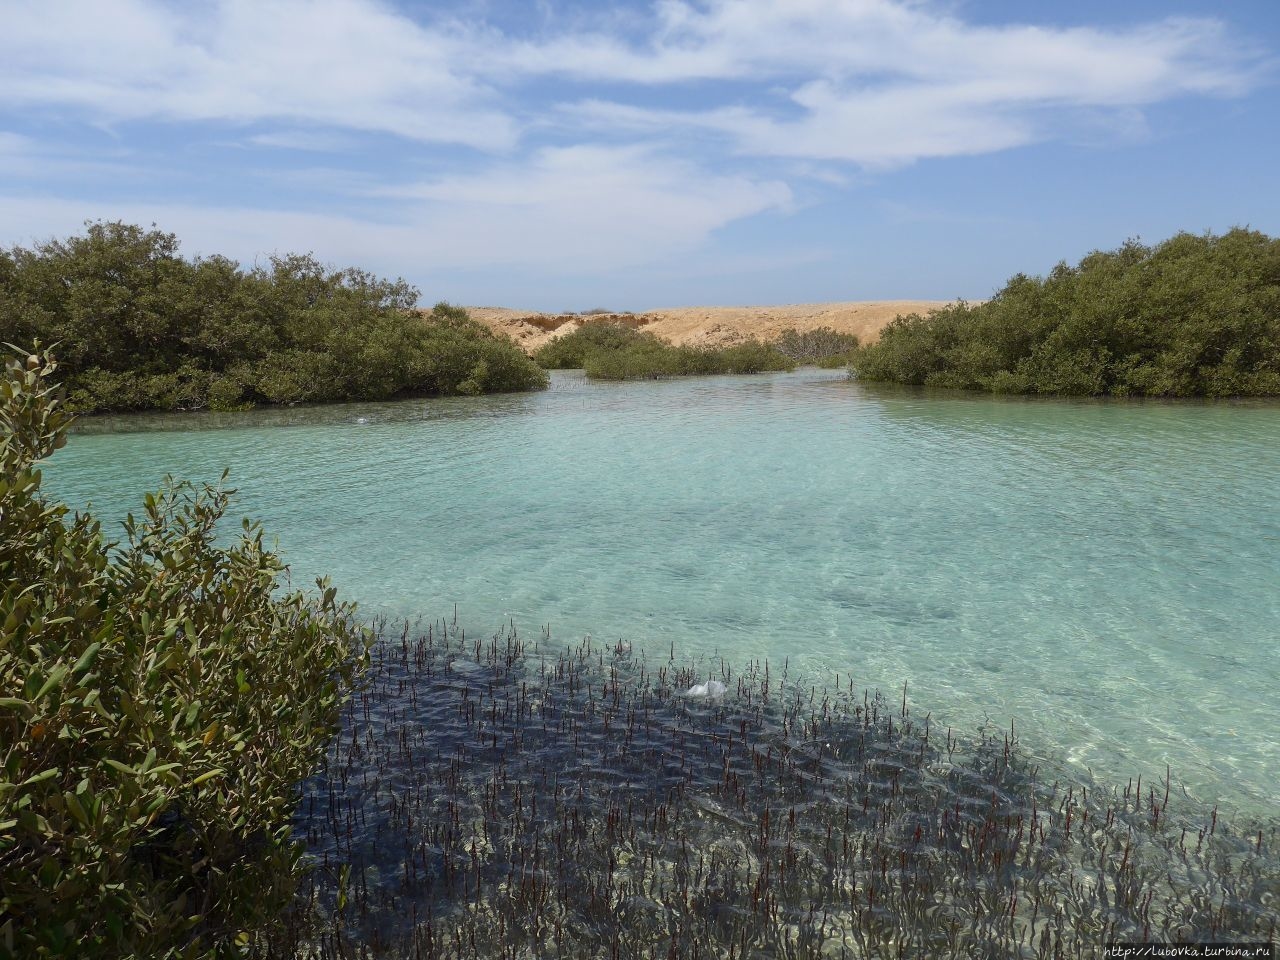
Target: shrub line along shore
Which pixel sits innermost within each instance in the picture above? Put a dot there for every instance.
(140, 328)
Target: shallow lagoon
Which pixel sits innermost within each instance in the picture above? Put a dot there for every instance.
(1104, 575)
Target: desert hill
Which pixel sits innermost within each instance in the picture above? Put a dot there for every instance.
(709, 326)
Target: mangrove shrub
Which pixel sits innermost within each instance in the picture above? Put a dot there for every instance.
(822, 347)
(139, 327)
(619, 352)
(160, 703)
(1192, 316)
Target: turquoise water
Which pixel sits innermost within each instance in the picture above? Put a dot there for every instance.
(1102, 575)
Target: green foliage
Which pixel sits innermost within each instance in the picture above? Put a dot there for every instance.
(139, 327)
(462, 355)
(569, 351)
(1192, 316)
(750, 356)
(823, 347)
(619, 352)
(159, 704)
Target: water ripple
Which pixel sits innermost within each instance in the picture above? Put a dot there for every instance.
(1102, 573)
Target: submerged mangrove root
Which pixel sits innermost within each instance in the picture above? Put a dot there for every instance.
(504, 798)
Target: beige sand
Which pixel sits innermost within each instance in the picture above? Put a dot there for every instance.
(711, 326)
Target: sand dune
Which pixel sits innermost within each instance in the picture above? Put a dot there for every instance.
(711, 326)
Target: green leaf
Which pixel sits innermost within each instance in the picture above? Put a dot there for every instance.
(40, 777)
(76, 808)
(54, 678)
(207, 776)
(86, 659)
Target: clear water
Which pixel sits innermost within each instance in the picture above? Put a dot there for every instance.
(1103, 575)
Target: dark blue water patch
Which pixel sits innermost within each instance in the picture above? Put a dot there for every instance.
(501, 797)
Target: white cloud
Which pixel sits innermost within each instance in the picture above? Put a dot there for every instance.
(913, 41)
(26, 158)
(354, 64)
(875, 130)
(306, 140)
(869, 81)
(568, 211)
(881, 83)
(586, 205)
(14, 144)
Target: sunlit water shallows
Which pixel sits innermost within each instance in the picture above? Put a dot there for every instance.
(1104, 575)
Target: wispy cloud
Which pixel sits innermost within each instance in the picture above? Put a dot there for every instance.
(881, 83)
(13, 142)
(589, 207)
(868, 81)
(304, 140)
(25, 158)
(593, 205)
(351, 64)
(899, 41)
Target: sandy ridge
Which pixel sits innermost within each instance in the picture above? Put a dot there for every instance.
(710, 326)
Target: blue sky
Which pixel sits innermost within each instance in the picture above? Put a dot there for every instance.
(565, 155)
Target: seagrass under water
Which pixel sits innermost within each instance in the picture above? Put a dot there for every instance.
(507, 798)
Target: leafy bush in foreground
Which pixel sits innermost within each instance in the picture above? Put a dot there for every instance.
(139, 327)
(159, 705)
(618, 352)
(1192, 316)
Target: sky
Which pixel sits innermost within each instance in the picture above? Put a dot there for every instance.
(559, 155)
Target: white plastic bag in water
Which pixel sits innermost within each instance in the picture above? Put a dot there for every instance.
(712, 689)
